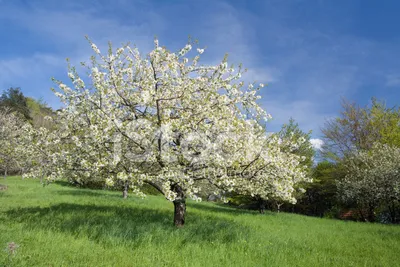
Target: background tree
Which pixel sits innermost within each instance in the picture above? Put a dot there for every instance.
(286, 137)
(320, 196)
(292, 131)
(373, 179)
(14, 99)
(16, 111)
(358, 128)
(288, 134)
(356, 132)
(38, 111)
(11, 154)
(31, 109)
(387, 122)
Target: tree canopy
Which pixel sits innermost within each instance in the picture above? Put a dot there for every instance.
(358, 128)
(373, 179)
(11, 152)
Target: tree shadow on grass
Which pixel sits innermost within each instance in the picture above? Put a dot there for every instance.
(218, 208)
(104, 224)
(64, 183)
(87, 192)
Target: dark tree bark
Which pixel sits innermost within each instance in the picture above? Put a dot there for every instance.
(371, 213)
(361, 213)
(392, 211)
(179, 206)
(262, 205)
(125, 192)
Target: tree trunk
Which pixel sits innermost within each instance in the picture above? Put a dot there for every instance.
(361, 213)
(261, 205)
(392, 211)
(125, 192)
(179, 206)
(5, 174)
(179, 212)
(371, 214)
(278, 205)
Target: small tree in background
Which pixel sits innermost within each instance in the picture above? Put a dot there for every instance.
(14, 100)
(291, 131)
(358, 128)
(289, 134)
(387, 122)
(11, 153)
(19, 114)
(373, 179)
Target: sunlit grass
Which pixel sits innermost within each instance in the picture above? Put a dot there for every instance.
(62, 226)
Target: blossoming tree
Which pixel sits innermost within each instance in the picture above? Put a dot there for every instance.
(167, 121)
(373, 179)
(10, 133)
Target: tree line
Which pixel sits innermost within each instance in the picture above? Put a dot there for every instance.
(357, 175)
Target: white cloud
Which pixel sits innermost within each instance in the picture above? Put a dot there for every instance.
(317, 143)
(17, 68)
(393, 80)
(265, 75)
(66, 30)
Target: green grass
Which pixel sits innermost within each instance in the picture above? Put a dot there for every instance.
(62, 226)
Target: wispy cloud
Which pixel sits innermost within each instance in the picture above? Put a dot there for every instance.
(393, 80)
(63, 33)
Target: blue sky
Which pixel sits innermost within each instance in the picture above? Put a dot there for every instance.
(311, 53)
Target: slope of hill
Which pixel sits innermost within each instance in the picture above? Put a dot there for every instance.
(62, 226)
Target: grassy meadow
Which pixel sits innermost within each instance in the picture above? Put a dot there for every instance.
(58, 225)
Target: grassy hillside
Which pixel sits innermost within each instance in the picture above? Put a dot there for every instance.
(62, 226)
